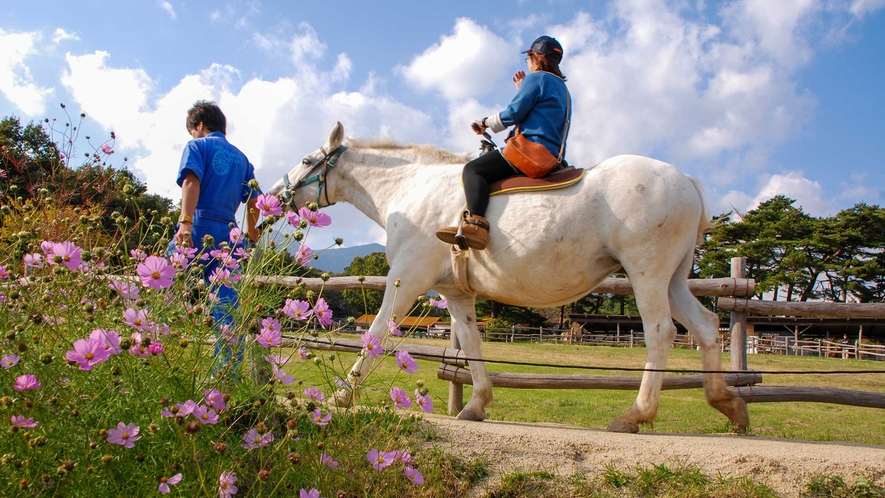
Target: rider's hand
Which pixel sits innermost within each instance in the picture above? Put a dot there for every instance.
(518, 77)
(183, 235)
(479, 126)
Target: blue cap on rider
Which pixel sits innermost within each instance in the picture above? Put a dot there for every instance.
(546, 46)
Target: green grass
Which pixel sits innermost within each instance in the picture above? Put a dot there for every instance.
(647, 481)
(681, 411)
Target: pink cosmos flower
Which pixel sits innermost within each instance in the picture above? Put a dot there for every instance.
(166, 482)
(221, 276)
(439, 303)
(155, 272)
(26, 382)
(214, 399)
(424, 402)
(136, 318)
(413, 475)
(314, 394)
(138, 348)
(314, 218)
(322, 312)
(242, 253)
(269, 338)
(88, 352)
(205, 415)
(4, 273)
(319, 419)
(293, 218)
(406, 362)
(303, 353)
(46, 246)
(226, 482)
(156, 348)
(297, 309)
(401, 456)
(313, 493)
(23, 423)
(107, 149)
(236, 235)
(67, 254)
(282, 376)
(391, 325)
(138, 254)
(34, 260)
(328, 461)
(109, 338)
(255, 440)
(186, 408)
(303, 255)
(178, 260)
(400, 399)
(276, 360)
(371, 345)
(379, 459)
(125, 289)
(268, 205)
(270, 323)
(189, 252)
(9, 361)
(125, 435)
(2, 173)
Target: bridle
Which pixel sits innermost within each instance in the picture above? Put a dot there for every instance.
(330, 159)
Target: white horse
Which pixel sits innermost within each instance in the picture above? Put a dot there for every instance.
(545, 249)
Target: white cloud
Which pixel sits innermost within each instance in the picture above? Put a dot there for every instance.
(61, 35)
(16, 82)
(466, 63)
(861, 8)
(169, 9)
(808, 194)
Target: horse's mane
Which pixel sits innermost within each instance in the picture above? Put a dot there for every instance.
(424, 153)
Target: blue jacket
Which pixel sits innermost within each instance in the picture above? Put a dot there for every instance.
(223, 172)
(539, 109)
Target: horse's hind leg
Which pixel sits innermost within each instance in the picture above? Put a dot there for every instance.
(462, 308)
(704, 326)
(654, 307)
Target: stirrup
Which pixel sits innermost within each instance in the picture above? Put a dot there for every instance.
(460, 239)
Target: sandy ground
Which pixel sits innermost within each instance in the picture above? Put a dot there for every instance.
(784, 465)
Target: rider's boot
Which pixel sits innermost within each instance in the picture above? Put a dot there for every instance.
(472, 232)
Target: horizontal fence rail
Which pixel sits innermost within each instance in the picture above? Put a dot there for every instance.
(742, 287)
(583, 381)
(757, 394)
(805, 308)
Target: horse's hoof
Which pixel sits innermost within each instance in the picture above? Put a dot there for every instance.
(624, 425)
(735, 409)
(471, 415)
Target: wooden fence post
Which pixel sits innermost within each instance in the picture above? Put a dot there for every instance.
(738, 323)
(456, 390)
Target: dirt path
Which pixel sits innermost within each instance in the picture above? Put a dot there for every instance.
(784, 465)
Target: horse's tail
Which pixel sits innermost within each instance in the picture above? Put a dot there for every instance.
(706, 223)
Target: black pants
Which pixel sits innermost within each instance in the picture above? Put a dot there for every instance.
(478, 174)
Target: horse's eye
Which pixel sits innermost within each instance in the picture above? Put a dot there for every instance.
(305, 161)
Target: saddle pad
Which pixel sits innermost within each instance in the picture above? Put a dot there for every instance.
(559, 179)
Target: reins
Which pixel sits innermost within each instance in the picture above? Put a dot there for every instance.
(330, 159)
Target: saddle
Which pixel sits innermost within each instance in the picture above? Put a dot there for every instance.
(560, 177)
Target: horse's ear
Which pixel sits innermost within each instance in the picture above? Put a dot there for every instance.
(336, 137)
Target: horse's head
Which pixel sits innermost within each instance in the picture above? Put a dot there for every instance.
(306, 182)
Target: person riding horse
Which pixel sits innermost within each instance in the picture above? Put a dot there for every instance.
(541, 111)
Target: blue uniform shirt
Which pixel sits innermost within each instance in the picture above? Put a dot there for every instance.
(539, 109)
(224, 173)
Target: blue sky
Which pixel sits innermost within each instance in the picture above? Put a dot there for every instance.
(754, 98)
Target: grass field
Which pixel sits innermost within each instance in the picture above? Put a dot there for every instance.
(681, 411)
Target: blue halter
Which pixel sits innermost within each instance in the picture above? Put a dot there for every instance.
(330, 159)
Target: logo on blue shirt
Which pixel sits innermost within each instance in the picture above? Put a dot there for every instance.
(222, 161)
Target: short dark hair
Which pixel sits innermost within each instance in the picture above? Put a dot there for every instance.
(207, 113)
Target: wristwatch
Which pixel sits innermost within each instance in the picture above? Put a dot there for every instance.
(185, 219)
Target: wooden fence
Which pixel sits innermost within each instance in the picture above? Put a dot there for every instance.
(733, 295)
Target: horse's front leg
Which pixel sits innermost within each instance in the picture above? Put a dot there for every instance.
(462, 308)
(397, 301)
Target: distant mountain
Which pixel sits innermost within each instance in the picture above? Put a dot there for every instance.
(334, 260)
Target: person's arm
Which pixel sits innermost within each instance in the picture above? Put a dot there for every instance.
(252, 219)
(190, 194)
(524, 101)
